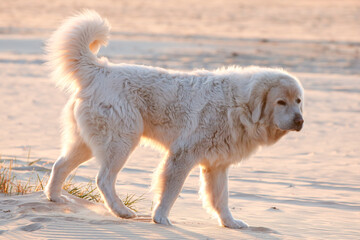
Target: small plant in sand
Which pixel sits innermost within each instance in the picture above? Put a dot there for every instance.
(86, 191)
(10, 185)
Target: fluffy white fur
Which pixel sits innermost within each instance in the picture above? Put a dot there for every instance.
(208, 118)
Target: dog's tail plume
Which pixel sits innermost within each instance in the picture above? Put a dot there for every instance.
(73, 47)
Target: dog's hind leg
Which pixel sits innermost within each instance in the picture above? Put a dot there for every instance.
(76, 153)
(214, 192)
(112, 160)
(171, 177)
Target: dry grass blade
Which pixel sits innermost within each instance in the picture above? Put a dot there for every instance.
(86, 191)
(130, 200)
(39, 186)
(6, 179)
(33, 162)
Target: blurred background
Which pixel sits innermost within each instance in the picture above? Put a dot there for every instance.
(329, 20)
(305, 35)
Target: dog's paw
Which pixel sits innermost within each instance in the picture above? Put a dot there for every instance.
(124, 212)
(56, 198)
(236, 224)
(161, 220)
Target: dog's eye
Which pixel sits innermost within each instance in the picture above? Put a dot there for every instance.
(298, 100)
(281, 102)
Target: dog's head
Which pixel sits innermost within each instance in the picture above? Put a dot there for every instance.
(279, 101)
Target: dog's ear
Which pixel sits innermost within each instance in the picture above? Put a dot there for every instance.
(257, 105)
(256, 113)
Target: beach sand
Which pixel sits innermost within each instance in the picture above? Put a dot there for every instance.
(307, 186)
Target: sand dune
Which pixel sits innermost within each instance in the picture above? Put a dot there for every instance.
(81, 219)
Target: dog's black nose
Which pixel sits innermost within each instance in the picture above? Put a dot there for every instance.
(298, 121)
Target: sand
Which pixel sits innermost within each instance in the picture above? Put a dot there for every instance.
(304, 187)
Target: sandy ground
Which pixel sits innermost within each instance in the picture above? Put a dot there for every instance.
(304, 187)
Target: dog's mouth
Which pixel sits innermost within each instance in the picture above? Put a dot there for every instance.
(280, 129)
(295, 128)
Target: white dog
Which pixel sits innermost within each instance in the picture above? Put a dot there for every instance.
(208, 118)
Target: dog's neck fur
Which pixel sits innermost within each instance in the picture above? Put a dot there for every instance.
(249, 136)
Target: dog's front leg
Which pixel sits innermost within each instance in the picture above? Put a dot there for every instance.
(214, 192)
(171, 177)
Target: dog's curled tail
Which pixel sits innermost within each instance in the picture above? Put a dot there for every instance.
(73, 47)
